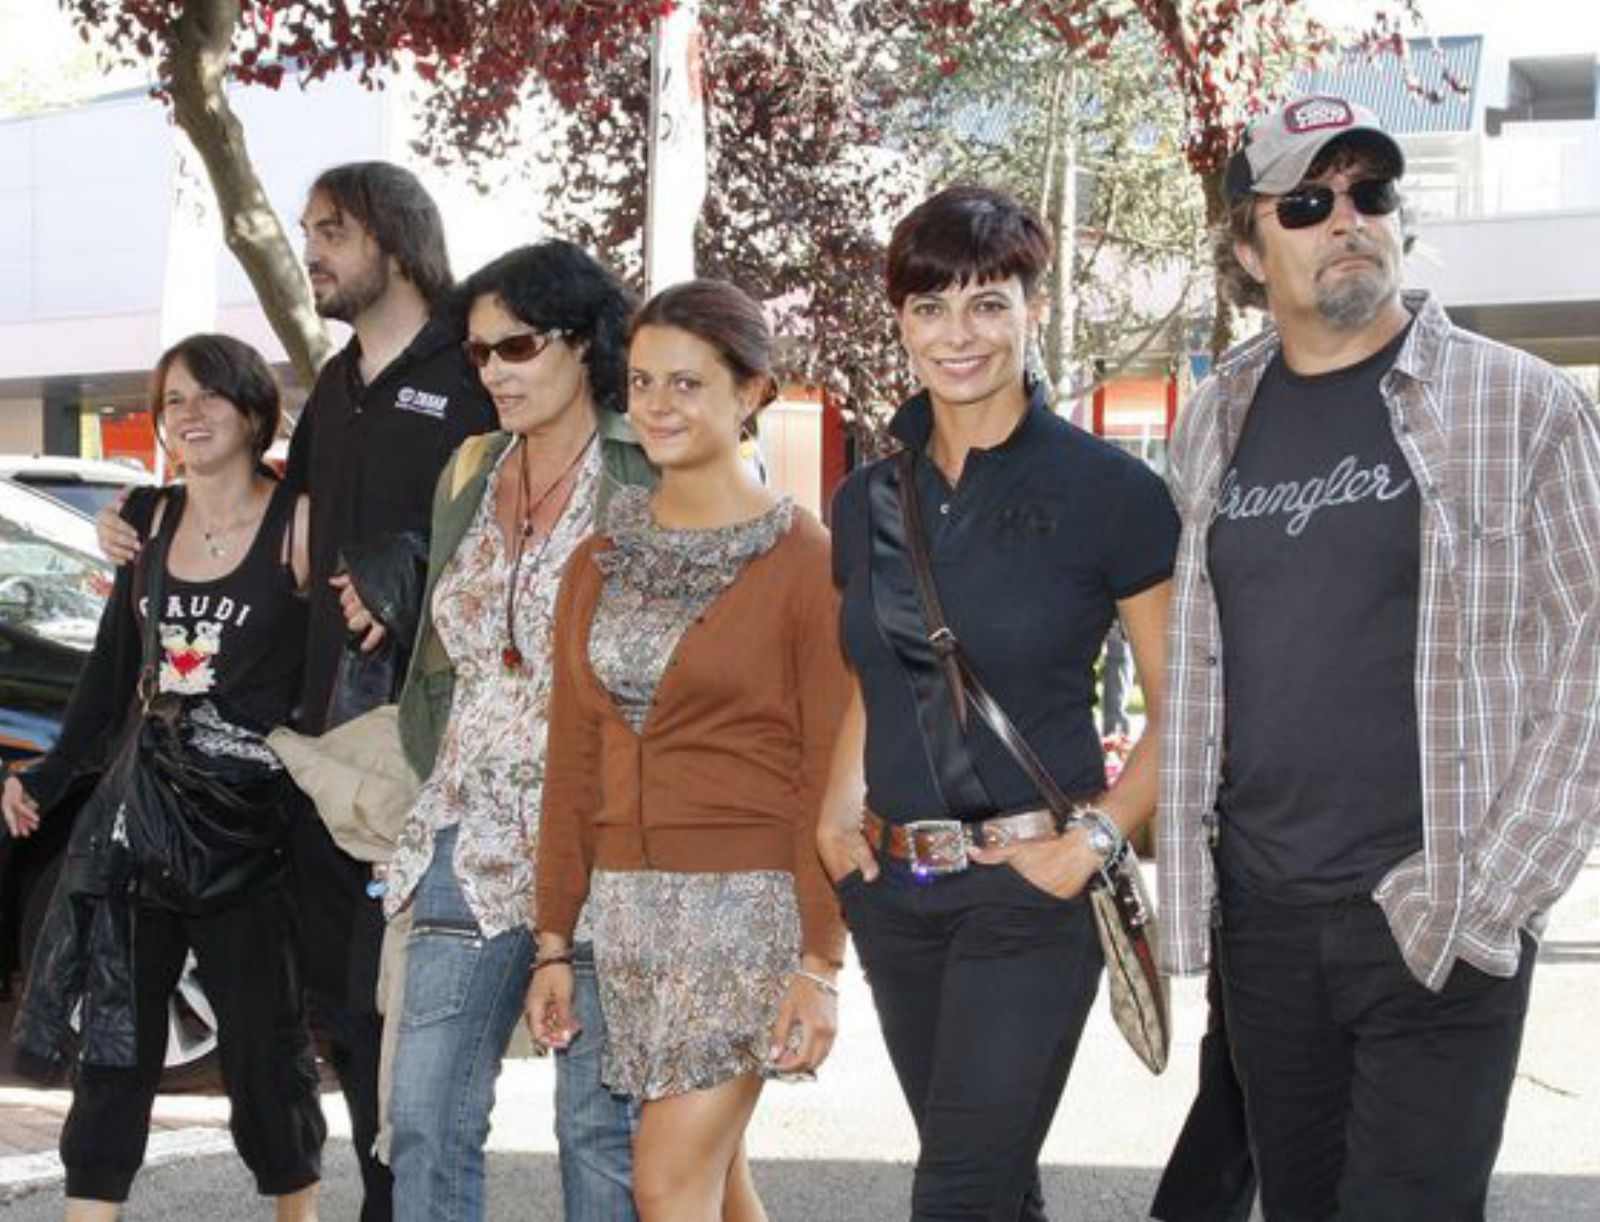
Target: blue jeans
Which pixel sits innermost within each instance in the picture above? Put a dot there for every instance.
(594, 1128)
(464, 996)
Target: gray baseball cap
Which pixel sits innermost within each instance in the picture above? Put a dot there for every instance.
(1278, 148)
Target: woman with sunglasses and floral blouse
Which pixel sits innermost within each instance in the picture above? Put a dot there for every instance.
(546, 327)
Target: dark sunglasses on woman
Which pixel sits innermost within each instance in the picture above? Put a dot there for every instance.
(1312, 204)
(518, 348)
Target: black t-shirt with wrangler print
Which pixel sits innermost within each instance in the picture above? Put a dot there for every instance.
(1314, 553)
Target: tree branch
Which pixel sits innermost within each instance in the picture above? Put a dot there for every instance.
(202, 42)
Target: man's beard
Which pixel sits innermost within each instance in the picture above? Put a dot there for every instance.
(349, 299)
(1352, 300)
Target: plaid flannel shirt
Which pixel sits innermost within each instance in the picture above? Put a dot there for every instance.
(1506, 454)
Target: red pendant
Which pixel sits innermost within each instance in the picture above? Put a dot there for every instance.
(512, 657)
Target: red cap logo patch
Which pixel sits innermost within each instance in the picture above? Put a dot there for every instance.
(1317, 114)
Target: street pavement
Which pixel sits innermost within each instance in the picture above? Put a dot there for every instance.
(839, 1150)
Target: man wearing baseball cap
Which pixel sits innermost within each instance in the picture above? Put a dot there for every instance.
(1382, 764)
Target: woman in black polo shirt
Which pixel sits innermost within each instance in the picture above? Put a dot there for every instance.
(984, 961)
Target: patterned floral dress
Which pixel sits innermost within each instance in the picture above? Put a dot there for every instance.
(489, 775)
(692, 967)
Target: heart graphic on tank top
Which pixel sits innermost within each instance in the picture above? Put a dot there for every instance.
(186, 664)
(186, 661)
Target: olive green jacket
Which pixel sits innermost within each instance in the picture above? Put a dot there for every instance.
(430, 683)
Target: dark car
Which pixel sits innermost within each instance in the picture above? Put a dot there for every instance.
(52, 591)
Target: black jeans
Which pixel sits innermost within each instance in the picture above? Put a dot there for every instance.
(982, 984)
(1209, 1176)
(1370, 1098)
(342, 939)
(247, 967)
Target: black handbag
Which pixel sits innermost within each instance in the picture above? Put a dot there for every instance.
(199, 802)
(1123, 913)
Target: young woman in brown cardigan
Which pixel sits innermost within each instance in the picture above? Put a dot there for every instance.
(698, 681)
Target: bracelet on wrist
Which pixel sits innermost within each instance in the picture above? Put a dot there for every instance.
(550, 960)
(818, 980)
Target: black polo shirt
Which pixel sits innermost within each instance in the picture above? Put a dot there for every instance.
(369, 457)
(1031, 551)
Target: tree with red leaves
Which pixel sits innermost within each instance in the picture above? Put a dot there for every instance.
(1221, 57)
(807, 161)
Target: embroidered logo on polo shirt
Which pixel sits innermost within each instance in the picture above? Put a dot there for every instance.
(423, 402)
(1022, 523)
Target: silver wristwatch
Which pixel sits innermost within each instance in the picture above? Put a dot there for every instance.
(1102, 833)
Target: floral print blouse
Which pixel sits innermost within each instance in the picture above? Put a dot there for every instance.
(489, 775)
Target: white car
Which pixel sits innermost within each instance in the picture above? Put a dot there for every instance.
(84, 484)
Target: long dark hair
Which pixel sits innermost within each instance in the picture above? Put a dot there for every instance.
(557, 286)
(391, 203)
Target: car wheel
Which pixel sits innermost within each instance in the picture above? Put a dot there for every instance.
(191, 1020)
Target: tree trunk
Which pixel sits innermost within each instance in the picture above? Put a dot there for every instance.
(202, 40)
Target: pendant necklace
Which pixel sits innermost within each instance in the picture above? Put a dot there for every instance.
(511, 656)
(214, 537)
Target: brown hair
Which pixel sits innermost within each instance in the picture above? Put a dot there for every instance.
(964, 235)
(228, 367)
(724, 316)
(391, 203)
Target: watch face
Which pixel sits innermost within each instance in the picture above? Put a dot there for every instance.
(1100, 841)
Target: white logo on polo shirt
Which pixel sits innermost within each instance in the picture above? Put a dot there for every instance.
(423, 402)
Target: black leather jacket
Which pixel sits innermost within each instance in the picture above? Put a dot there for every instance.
(84, 954)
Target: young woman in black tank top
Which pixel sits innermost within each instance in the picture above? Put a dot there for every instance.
(231, 627)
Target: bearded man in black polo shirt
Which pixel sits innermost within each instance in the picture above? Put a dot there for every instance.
(1380, 767)
(383, 416)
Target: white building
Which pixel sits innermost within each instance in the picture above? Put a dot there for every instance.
(1503, 175)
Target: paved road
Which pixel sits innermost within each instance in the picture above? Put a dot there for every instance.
(837, 1151)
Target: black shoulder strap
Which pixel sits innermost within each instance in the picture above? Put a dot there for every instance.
(965, 683)
(892, 579)
(153, 578)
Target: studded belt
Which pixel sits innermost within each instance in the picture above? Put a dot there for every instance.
(930, 848)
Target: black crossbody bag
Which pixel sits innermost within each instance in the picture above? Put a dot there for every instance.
(1123, 913)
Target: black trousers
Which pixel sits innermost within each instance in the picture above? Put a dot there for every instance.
(342, 940)
(246, 959)
(1209, 1176)
(1370, 1098)
(982, 984)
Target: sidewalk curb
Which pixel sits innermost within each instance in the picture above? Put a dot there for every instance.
(22, 1174)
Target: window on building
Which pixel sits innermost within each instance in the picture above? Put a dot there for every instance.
(1545, 89)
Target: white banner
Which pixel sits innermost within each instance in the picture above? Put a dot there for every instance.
(677, 167)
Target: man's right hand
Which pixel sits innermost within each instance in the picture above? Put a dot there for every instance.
(118, 540)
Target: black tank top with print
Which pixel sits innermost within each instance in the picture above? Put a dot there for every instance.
(238, 640)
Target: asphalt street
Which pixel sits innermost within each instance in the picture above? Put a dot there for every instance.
(839, 1150)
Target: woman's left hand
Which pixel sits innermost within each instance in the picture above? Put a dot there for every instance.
(1062, 867)
(815, 1012)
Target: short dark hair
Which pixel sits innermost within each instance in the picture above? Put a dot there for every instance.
(557, 286)
(228, 367)
(1239, 224)
(724, 316)
(391, 203)
(967, 234)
